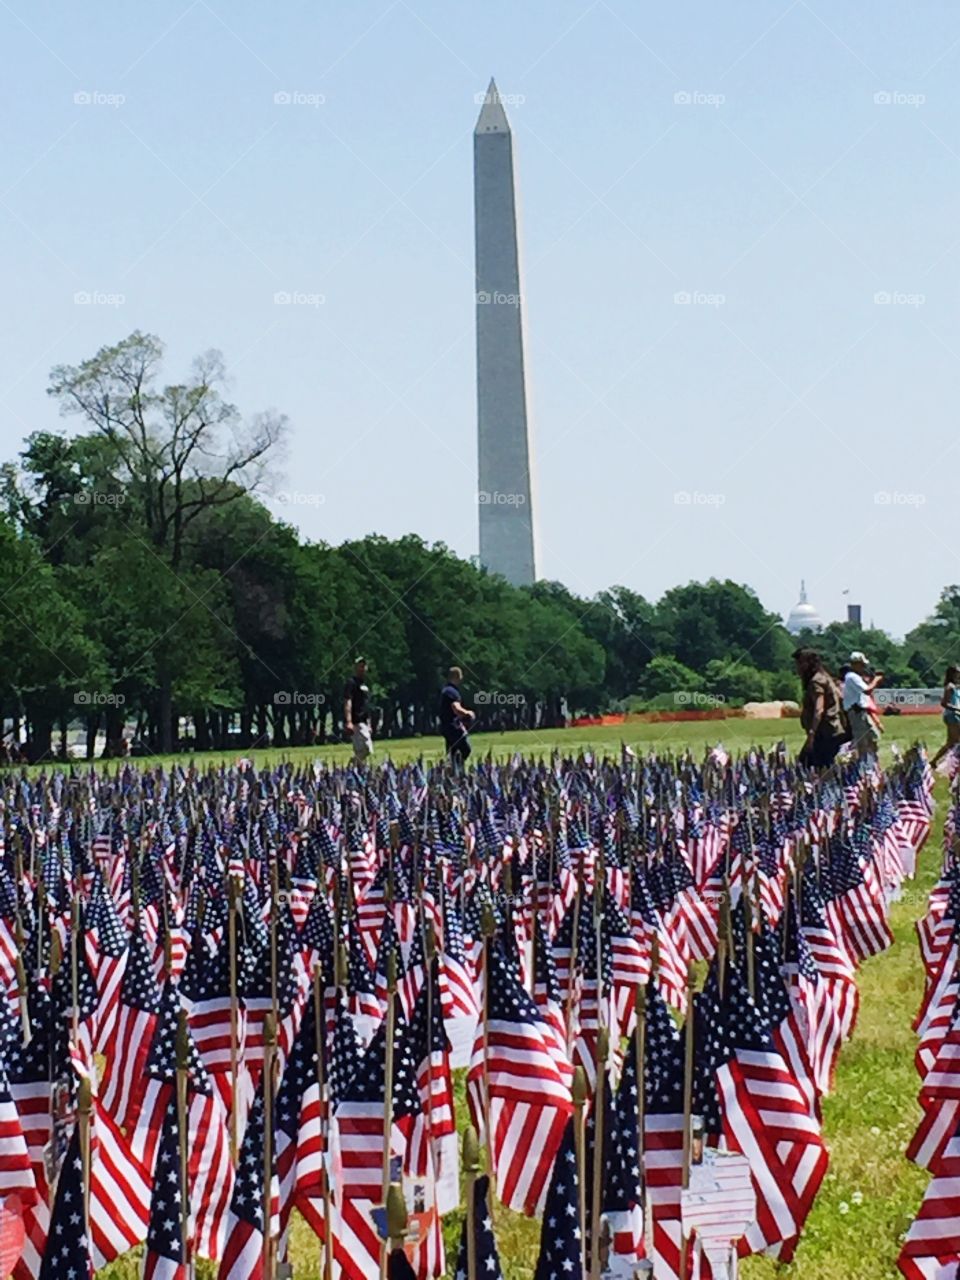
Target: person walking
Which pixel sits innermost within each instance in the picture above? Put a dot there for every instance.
(951, 712)
(859, 706)
(821, 713)
(356, 712)
(455, 718)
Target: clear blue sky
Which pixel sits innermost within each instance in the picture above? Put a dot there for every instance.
(782, 185)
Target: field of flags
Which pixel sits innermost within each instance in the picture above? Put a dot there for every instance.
(241, 996)
(932, 1247)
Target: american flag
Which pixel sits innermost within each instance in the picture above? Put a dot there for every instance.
(745, 1091)
(165, 1257)
(243, 1252)
(663, 1131)
(484, 1242)
(529, 1097)
(129, 1047)
(67, 1250)
(561, 1242)
(931, 1250)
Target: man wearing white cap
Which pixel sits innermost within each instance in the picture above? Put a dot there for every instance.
(858, 687)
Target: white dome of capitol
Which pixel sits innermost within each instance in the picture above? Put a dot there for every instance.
(803, 615)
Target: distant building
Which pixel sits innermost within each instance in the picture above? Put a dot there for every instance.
(854, 614)
(803, 616)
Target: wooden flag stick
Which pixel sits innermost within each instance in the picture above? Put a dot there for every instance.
(471, 1167)
(390, 1036)
(183, 1064)
(324, 1120)
(84, 1107)
(269, 1089)
(640, 1064)
(580, 1149)
(687, 1102)
(488, 925)
(596, 1206)
(232, 895)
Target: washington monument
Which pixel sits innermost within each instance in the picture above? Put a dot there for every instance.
(505, 498)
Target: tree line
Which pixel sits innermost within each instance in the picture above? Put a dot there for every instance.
(147, 586)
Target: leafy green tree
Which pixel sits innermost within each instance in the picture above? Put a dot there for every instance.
(720, 620)
(735, 682)
(667, 675)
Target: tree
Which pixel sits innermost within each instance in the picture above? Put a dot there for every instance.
(935, 643)
(667, 675)
(182, 448)
(720, 620)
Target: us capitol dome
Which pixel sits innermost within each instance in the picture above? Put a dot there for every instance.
(803, 616)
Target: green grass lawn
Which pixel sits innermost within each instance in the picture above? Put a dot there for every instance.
(677, 736)
(871, 1192)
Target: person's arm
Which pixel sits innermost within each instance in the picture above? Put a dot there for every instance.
(947, 700)
(347, 711)
(460, 710)
(874, 680)
(818, 709)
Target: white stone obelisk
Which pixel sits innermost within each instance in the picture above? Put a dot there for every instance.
(505, 497)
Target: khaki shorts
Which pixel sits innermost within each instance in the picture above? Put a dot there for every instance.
(362, 742)
(862, 732)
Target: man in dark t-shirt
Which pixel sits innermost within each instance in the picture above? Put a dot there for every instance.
(356, 711)
(455, 718)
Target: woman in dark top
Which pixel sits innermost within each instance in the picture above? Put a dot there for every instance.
(821, 713)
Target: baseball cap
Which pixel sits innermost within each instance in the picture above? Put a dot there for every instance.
(359, 658)
(858, 656)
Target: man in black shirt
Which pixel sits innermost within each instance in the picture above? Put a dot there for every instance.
(356, 711)
(455, 718)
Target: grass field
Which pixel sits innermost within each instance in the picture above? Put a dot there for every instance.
(871, 1192)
